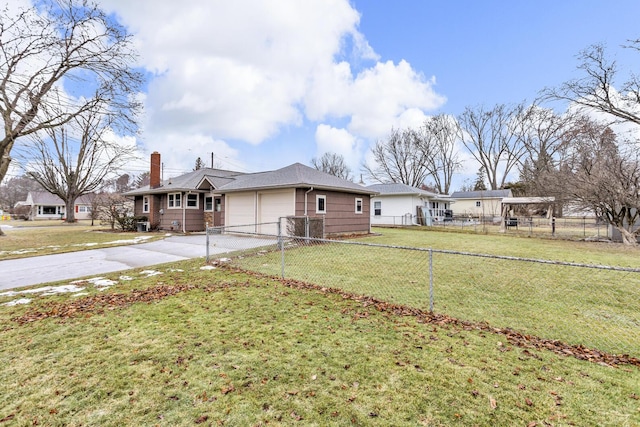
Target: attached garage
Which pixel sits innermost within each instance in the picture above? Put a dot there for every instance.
(273, 205)
(261, 209)
(240, 209)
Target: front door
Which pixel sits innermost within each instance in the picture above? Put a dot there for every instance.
(218, 218)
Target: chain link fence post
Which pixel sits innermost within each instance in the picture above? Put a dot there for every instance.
(430, 281)
(206, 232)
(281, 245)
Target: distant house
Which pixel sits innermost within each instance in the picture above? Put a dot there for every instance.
(44, 205)
(401, 204)
(217, 197)
(479, 204)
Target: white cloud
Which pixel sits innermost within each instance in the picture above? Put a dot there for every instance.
(247, 70)
(339, 141)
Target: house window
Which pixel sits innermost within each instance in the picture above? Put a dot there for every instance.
(478, 204)
(84, 209)
(321, 204)
(358, 206)
(208, 203)
(48, 210)
(145, 204)
(218, 204)
(377, 208)
(174, 201)
(192, 201)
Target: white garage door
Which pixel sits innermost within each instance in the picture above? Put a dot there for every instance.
(273, 205)
(240, 210)
(252, 209)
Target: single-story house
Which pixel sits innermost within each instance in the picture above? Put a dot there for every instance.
(479, 204)
(44, 205)
(213, 197)
(401, 204)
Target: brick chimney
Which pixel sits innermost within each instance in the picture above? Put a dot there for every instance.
(154, 178)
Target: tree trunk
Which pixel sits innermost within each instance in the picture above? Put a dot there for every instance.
(628, 238)
(70, 208)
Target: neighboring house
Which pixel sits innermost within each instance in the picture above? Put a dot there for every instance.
(479, 204)
(44, 205)
(217, 197)
(401, 204)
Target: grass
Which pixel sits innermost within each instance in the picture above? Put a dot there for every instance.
(509, 245)
(31, 238)
(597, 308)
(234, 349)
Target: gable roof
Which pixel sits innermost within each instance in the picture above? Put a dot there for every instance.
(42, 198)
(295, 175)
(485, 194)
(188, 182)
(395, 188)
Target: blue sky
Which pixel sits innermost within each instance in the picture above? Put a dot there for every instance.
(497, 51)
(263, 84)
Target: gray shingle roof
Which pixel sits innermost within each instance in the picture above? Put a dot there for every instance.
(485, 194)
(295, 175)
(398, 188)
(188, 181)
(45, 198)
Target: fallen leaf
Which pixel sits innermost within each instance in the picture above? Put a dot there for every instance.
(8, 418)
(493, 403)
(202, 419)
(528, 401)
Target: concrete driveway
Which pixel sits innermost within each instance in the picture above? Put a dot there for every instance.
(51, 268)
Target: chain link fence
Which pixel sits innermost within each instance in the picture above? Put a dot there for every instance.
(594, 306)
(571, 228)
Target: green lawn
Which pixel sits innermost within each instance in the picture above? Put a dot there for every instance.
(217, 347)
(597, 308)
(32, 238)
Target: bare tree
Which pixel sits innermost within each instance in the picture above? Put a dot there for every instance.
(16, 190)
(399, 159)
(141, 180)
(437, 143)
(333, 164)
(491, 138)
(544, 135)
(596, 89)
(61, 45)
(115, 209)
(74, 159)
(602, 174)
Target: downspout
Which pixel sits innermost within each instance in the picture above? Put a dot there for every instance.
(184, 212)
(306, 201)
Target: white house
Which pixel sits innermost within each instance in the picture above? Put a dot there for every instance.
(479, 204)
(401, 204)
(45, 205)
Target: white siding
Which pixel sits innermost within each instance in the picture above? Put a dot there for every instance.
(395, 209)
(488, 207)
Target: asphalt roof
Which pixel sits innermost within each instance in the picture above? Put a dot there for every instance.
(46, 198)
(188, 181)
(295, 175)
(399, 188)
(485, 194)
